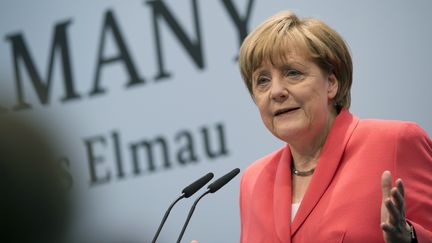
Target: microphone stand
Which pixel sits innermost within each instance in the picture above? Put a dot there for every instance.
(165, 217)
(190, 215)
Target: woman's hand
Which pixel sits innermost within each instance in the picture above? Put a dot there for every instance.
(393, 222)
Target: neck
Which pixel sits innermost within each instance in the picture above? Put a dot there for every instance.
(306, 152)
(305, 162)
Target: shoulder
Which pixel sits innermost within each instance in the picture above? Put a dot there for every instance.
(263, 162)
(413, 143)
(381, 124)
(405, 138)
(391, 128)
(389, 137)
(266, 164)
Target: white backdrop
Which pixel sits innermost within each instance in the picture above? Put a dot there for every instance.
(390, 43)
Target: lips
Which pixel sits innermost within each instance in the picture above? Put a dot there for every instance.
(285, 110)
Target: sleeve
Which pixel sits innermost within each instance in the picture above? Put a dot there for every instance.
(413, 163)
(243, 210)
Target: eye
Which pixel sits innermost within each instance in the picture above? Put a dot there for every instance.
(292, 73)
(261, 80)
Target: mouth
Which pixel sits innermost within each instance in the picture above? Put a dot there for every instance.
(285, 110)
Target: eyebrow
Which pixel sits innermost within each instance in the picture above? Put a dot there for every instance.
(259, 72)
(287, 64)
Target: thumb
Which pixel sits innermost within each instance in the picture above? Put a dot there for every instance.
(386, 184)
(194, 241)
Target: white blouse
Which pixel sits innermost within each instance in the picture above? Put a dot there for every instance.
(294, 209)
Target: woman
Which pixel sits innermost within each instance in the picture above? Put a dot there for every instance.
(324, 185)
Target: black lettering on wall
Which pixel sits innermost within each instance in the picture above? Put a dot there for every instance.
(21, 52)
(110, 24)
(94, 160)
(149, 156)
(193, 48)
(147, 147)
(222, 150)
(65, 165)
(241, 22)
(186, 153)
(117, 154)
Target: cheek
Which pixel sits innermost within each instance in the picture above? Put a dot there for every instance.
(308, 97)
(261, 103)
(263, 112)
(314, 102)
(263, 109)
(319, 94)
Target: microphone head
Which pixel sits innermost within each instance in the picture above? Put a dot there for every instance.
(196, 185)
(216, 185)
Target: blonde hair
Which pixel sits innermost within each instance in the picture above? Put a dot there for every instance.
(283, 34)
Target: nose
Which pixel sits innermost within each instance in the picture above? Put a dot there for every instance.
(279, 91)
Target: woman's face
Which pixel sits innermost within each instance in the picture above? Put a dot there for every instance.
(294, 98)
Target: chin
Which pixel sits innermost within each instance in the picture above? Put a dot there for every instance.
(288, 133)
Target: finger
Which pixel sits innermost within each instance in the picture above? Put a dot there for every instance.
(398, 200)
(386, 184)
(388, 228)
(400, 187)
(394, 214)
(194, 241)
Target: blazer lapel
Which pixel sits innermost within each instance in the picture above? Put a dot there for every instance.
(330, 156)
(282, 197)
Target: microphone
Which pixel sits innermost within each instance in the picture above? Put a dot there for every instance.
(212, 188)
(196, 185)
(216, 185)
(186, 192)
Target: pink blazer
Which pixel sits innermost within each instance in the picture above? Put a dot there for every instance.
(343, 200)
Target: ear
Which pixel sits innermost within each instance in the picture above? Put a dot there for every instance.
(333, 86)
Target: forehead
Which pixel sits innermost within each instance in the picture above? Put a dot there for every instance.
(291, 59)
(279, 51)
